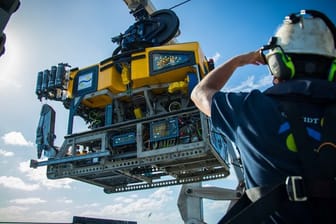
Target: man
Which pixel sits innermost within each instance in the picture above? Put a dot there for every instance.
(271, 129)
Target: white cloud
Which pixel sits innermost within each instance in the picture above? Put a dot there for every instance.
(51, 216)
(216, 205)
(27, 201)
(16, 138)
(13, 213)
(64, 200)
(91, 205)
(250, 84)
(27, 214)
(17, 183)
(6, 153)
(39, 175)
(214, 210)
(139, 208)
(265, 81)
(163, 194)
(216, 57)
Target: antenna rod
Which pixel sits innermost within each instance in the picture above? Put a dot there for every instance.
(180, 4)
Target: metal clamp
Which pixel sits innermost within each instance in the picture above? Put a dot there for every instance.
(295, 188)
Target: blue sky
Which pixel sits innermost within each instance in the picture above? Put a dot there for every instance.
(44, 32)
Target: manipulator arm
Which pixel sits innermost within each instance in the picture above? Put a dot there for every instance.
(45, 132)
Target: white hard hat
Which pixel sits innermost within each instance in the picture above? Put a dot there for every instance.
(306, 35)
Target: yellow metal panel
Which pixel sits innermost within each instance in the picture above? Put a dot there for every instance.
(98, 101)
(140, 66)
(71, 83)
(110, 78)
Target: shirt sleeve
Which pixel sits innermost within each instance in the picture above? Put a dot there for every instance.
(225, 111)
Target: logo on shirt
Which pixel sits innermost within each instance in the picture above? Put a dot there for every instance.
(311, 123)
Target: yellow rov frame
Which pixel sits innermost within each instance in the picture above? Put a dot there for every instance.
(149, 133)
(152, 66)
(143, 129)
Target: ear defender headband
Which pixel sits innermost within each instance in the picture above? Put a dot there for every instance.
(280, 64)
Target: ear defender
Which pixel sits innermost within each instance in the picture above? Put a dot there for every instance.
(332, 72)
(281, 65)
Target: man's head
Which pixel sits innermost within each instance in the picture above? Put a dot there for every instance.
(303, 46)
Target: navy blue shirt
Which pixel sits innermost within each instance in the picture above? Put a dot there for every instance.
(256, 124)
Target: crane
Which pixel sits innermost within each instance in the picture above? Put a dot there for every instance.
(143, 130)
